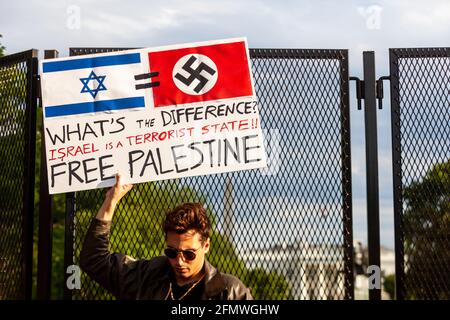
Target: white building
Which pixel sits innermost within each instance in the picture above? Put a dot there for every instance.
(316, 272)
(313, 271)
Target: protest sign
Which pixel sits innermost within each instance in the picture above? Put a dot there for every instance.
(151, 114)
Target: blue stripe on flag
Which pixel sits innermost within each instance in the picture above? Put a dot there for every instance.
(96, 106)
(91, 62)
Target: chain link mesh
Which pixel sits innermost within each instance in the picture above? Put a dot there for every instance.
(285, 231)
(421, 142)
(15, 78)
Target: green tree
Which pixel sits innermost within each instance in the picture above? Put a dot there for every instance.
(12, 115)
(426, 223)
(389, 285)
(268, 285)
(2, 48)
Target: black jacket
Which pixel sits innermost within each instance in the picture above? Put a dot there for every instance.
(131, 279)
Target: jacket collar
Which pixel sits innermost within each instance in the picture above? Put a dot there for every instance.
(214, 282)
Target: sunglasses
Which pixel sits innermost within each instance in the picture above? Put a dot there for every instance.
(187, 254)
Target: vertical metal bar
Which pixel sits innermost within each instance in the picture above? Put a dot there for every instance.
(29, 171)
(373, 207)
(68, 240)
(397, 175)
(346, 177)
(69, 237)
(44, 270)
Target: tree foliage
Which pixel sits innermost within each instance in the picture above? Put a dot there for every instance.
(389, 285)
(2, 48)
(426, 223)
(12, 98)
(268, 285)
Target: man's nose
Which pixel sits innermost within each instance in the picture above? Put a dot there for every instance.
(179, 259)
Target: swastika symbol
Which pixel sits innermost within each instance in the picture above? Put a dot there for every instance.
(195, 74)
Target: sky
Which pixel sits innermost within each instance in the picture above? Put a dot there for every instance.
(356, 25)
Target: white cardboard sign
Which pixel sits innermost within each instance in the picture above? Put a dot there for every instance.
(151, 114)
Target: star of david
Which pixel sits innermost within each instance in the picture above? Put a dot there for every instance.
(100, 86)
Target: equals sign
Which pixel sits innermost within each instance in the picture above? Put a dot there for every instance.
(146, 76)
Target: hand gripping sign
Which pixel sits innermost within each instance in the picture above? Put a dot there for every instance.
(151, 114)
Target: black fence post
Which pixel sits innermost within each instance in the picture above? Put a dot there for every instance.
(397, 178)
(29, 170)
(44, 270)
(68, 240)
(373, 207)
(347, 179)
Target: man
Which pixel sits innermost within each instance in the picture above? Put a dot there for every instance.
(183, 274)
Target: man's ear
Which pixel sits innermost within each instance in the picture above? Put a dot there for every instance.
(206, 245)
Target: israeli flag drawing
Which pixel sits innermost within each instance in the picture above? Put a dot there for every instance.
(92, 84)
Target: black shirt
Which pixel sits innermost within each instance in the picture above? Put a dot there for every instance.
(195, 290)
(191, 291)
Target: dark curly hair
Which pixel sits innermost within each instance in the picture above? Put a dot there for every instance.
(188, 216)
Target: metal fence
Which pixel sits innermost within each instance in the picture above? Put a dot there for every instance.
(420, 99)
(18, 104)
(286, 231)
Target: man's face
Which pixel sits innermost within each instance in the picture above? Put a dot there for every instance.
(183, 268)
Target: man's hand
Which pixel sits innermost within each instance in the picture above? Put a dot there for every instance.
(112, 198)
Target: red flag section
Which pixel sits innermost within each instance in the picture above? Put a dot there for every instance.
(203, 73)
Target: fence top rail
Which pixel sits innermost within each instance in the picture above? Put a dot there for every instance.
(264, 53)
(273, 53)
(76, 51)
(20, 56)
(435, 52)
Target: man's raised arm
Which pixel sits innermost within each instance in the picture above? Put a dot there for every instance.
(112, 198)
(112, 271)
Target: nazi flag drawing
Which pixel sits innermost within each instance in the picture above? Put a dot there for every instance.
(201, 73)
